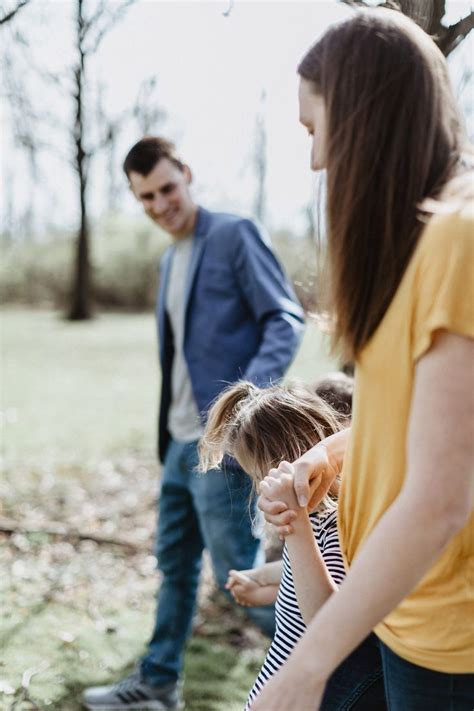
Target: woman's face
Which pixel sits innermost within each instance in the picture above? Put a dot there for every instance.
(313, 117)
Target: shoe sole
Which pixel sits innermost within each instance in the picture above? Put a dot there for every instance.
(139, 706)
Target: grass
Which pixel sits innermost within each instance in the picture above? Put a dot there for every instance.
(78, 390)
(78, 418)
(69, 653)
(90, 389)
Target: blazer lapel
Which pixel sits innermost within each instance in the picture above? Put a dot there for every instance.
(161, 305)
(202, 224)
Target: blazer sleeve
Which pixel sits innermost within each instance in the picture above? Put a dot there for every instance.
(273, 303)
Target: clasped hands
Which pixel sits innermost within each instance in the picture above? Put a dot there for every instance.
(290, 489)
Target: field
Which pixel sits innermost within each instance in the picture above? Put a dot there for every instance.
(79, 479)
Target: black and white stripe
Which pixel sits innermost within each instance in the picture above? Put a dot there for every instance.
(289, 623)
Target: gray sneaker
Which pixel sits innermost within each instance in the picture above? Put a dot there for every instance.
(134, 694)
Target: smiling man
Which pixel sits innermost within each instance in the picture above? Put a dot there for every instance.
(225, 311)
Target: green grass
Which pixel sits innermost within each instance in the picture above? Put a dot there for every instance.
(69, 653)
(71, 391)
(79, 390)
(78, 418)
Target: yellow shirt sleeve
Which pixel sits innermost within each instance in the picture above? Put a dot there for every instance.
(444, 296)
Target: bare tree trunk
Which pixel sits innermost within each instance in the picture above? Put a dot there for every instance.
(81, 301)
(260, 161)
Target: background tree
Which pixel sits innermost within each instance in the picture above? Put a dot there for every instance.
(147, 110)
(23, 120)
(146, 113)
(260, 160)
(429, 15)
(9, 13)
(90, 29)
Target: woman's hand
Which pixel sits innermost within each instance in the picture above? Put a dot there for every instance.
(314, 473)
(290, 688)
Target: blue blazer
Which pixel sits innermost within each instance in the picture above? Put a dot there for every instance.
(242, 318)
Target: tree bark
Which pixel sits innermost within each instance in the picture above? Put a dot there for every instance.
(81, 301)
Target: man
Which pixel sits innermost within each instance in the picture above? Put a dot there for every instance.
(225, 311)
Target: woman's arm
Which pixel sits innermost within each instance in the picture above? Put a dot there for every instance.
(433, 506)
(311, 578)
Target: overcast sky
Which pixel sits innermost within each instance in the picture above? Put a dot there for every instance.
(211, 72)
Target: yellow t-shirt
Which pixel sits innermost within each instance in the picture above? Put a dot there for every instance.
(434, 626)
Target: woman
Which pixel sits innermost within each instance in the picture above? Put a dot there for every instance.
(375, 97)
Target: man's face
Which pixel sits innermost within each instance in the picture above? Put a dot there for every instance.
(164, 194)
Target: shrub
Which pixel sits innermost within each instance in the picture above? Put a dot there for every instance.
(125, 257)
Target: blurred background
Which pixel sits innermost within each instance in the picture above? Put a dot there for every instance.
(81, 81)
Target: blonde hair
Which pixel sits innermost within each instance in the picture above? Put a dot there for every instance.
(260, 427)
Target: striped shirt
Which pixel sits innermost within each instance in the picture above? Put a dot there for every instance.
(289, 622)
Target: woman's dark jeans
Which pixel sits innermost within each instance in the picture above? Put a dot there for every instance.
(413, 688)
(357, 684)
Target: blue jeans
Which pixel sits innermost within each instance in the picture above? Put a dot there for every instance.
(357, 683)
(410, 687)
(197, 511)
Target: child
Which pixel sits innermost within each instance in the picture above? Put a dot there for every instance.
(259, 586)
(262, 428)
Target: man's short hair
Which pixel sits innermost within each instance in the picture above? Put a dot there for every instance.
(145, 154)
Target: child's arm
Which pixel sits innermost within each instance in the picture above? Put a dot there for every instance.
(267, 574)
(312, 580)
(257, 586)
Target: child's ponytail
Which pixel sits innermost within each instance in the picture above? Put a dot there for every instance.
(222, 416)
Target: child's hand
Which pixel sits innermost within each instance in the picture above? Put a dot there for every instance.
(278, 489)
(278, 485)
(247, 591)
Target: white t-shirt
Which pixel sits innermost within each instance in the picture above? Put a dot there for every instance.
(184, 422)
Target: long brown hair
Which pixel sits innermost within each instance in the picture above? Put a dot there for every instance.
(261, 427)
(394, 138)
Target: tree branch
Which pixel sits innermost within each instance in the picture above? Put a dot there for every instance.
(227, 12)
(10, 15)
(9, 526)
(438, 11)
(355, 3)
(113, 18)
(101, 8)
(455, 34)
